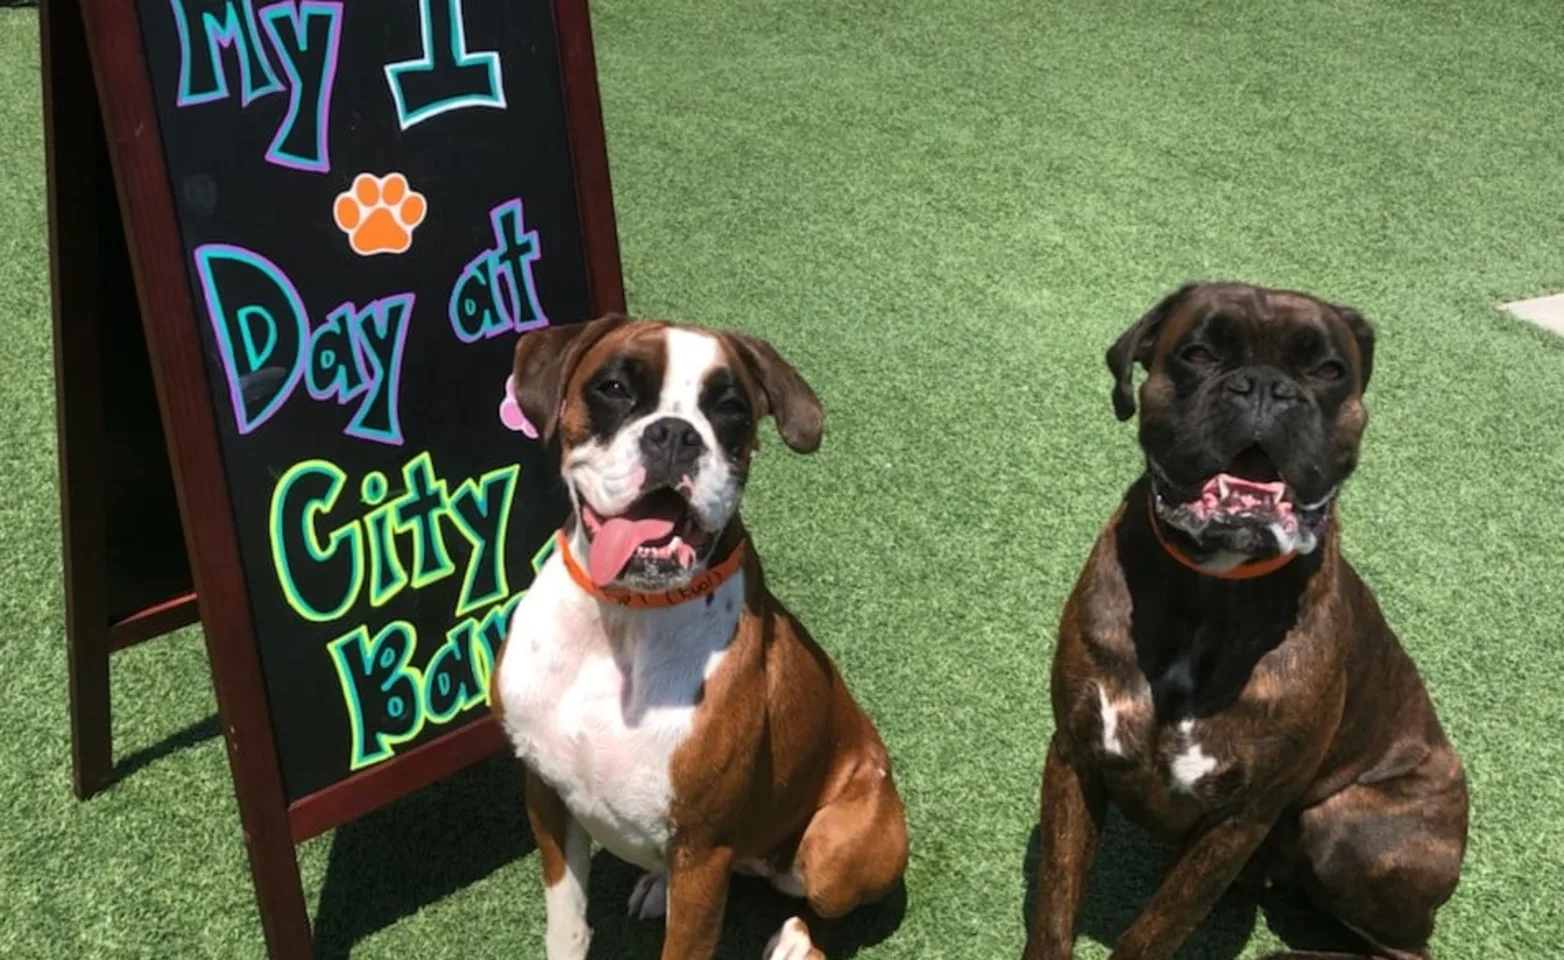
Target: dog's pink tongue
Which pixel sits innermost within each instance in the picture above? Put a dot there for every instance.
(616, 540)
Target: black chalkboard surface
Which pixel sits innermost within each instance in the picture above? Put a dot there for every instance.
(341, 214)
(372, 207)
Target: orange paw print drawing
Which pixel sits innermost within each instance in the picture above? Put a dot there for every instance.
(379, 214)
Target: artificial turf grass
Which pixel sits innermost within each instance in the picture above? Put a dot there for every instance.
(943, 214)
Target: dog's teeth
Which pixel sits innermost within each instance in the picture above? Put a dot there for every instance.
(1222, 487)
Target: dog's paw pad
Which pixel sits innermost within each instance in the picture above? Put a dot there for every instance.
(649, 899)
(792, 943)
(379, 214)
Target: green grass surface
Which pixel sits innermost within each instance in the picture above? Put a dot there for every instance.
(942, 212)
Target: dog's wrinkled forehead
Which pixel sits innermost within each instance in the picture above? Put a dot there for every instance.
(645, 368)
(1265, 325)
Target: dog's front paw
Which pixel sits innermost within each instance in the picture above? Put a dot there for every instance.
(649, 899)
(792, 943)
(568, 939)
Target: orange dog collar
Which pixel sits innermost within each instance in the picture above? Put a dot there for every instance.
(1244, 571)
(704, 583)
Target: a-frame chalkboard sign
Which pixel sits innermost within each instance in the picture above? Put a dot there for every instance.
(292, 245)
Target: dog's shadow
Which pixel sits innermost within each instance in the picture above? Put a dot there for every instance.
(1130, 865)
(755, 913)
(432, 843)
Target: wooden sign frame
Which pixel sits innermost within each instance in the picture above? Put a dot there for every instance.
(102, 133)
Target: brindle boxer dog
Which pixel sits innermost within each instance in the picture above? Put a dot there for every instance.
(1221, 673)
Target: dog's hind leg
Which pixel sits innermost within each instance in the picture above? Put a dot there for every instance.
(1384, 856)
(853, 852)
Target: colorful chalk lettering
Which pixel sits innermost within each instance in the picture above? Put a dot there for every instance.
(447, 76)
(387, 576)
(203, 77)
(267, 347)
(481, 511)
(335, 370)
(382, 688)
(366, 553)
(390, 702)
(495, 294)
(305, 492)
(451, 682)
(246, 293)
(306, 38)
(379, 332)
(418, 513)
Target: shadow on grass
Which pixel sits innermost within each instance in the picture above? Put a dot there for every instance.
(1129, 866)
(426, 846)
(755, 913)
(190, 736)
(418, 850)
(453, 833)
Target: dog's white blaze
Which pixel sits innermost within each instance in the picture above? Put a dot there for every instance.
(1192, 765)
(567, 935)
(1110, 725)
(691, 355)
(596, 700)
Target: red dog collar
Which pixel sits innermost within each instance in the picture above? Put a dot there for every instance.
(705, 582)
(1244, 571)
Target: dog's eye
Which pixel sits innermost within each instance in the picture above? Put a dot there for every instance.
(733, 405)
(1198, 355)
(1330, 370)
(613, 389)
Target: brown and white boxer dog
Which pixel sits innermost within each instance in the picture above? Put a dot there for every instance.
(1221, 673)
(664, 703)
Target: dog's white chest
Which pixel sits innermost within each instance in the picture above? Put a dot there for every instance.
(596, 700)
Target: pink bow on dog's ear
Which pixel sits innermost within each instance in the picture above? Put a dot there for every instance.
(510, 412)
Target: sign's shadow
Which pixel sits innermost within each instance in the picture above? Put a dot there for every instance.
(1129, 866)
(424, 847)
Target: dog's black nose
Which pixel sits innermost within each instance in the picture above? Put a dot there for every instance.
(1284, 388)
(673, 441)
(1263, 390)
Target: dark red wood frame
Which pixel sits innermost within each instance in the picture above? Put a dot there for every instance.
(102, 38)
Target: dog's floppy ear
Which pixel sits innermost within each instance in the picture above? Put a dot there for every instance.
(1134, 346)
(545, 360)
(800, 418)
(1363, 333)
